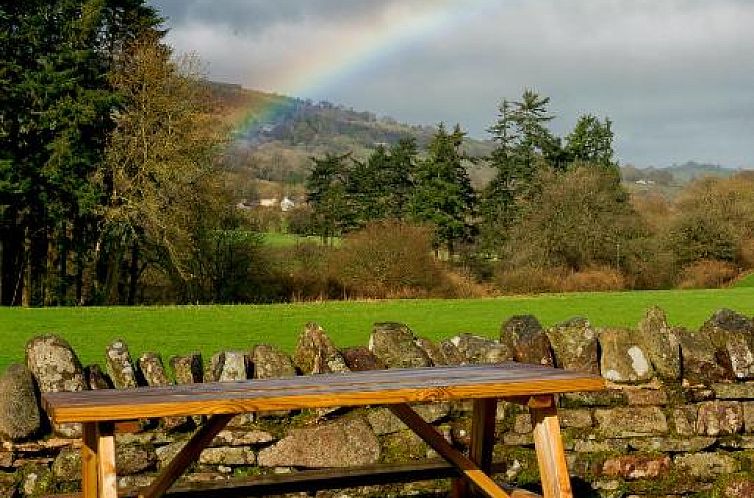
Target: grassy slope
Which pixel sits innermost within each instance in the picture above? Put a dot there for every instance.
(172, 330)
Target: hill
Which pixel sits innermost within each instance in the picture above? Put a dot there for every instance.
(275, 137)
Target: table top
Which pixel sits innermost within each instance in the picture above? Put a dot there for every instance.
(375, 387)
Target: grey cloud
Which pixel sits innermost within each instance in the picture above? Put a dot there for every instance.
(675, 76)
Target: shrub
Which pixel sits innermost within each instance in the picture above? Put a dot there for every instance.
(745, 253)
(528, 279)
(706, 274)
(388, 259)
(305, 270)
(596, 279)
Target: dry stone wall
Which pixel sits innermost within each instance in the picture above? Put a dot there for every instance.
(677, 420)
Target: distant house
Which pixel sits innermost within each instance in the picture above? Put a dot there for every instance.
(286, 204)
(270, 202)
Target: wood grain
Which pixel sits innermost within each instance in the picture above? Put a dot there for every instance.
(318, 391)
(106, 472)
(89, 462)
(550, 456)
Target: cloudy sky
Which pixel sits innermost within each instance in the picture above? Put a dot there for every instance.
(675, 76)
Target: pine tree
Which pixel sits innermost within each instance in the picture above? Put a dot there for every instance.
(591, 141)
(443, 195)
(327, 193)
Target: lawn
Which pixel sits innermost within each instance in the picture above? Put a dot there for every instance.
(180, 329)
(276, 239)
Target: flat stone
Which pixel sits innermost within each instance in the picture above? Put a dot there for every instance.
(661, 343)
(748, 407)
(522, 423)
(436, 354)
(227, 366)
(343, 443)
(736, 442)
(575, 418)
(672, 444)
(737, 487)
(706, 465)
(452, 354)
(742, 390)
(684, 420)
(515, 439)
(631, 422)
(19, 408)
(524, 335)
(477, 349)
(395, 345)
(610, 397)
(703, 362)
(242, 438)
(575, 345)
(134, 459)
(229, 455)
(636, 466)
(602, 446)
(646, 397)
(624, 359)
(271, 363)
(716, 418)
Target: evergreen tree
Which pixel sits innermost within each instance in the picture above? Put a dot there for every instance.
(328, 195)
(591, 141)
(443, 195)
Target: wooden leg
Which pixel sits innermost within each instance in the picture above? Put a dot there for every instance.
(434, 439)
(106, 475)
(89, 461)
(550, 455)
(482, 443)
(188, 454)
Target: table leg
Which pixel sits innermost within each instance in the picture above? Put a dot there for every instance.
(89, 461)
(106, 474)
(434, 439)
(482, 443)
(550, 455)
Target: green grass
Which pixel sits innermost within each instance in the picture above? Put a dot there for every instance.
(745, 281)
(181, 329)
(275, 239)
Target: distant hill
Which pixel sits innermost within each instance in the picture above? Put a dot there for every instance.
(275, 137)
(670, 180)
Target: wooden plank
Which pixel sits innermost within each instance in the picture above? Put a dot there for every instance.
(106, 472)
(482, 442)
(188, 454)
(550, 455)
(89, 462)
(314, 480)
(353, 389)
(438, 443)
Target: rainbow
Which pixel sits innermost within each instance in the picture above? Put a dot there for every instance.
(325, 64)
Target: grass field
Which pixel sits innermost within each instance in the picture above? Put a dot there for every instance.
(181, 329)
(745, 281)
(276, 239)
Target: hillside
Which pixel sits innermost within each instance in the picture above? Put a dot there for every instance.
(275, 137)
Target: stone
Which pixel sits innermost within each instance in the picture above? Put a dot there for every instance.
(436, 354)
(575, 418)
(528, 341)
(165, 454)
(476, 349)
(636, 466)
(716, 418)
(345, 442)
(242, 438)
(748, 408)
(603, 446)
(55, 367)
(227, 366)
(19, 408)
(360, 359)
(316, 353)
(737, 487)
(733, 333)
(575, 345)
(395, 345)
(232, 455)
(119, 365)
(623, 358)
(383, 421)
(522, 423)
(187, 369)
(97, 378)
(67, 465)
(609, 397)
(672, 444)
(631, 422)
(451, 353)
(706, 466)
(684, 420)
(703, 362)
(151, 370)
(132, 459)
(37, 481)
(646, 397)
(661, 344)
(739, 390)
(271, 363)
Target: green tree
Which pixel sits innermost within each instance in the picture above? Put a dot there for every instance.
(591, 141)
(443, 195)
(327, 193)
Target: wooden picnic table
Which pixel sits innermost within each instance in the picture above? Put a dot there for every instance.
(531, 385)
